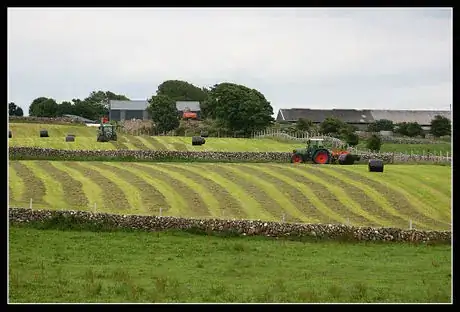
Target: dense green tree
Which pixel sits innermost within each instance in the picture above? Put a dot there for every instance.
(440, 126)
(374, 143)
(43, 107)
(304, 124)
(381, 125)
(164, 114)
(14, 110)
(239, 108)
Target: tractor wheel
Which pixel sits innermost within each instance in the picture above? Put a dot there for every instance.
(296, 159)
(114, 137)
(321, 156)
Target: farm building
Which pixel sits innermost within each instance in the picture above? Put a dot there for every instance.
(123, 110)
(361, 118)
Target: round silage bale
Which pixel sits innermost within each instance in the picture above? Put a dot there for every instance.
(44, 133)
(375, 165)
(70, 138)
(196, 140)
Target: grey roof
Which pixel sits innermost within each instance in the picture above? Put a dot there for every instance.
(193, 105)
(128, 105)
(422, 117)
(318, 115)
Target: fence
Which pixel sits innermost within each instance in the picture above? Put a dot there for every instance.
(164, 212)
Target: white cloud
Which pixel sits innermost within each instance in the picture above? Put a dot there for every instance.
(293, 56)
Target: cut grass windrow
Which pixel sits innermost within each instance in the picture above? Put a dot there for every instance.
(126, 182)
(157, 145)
(72, 189)
(148, 145)
(194, 207)
(112, 196)
(121, 194)
(195, 204)
(353, 210)
(226, 204)
(283, 205)
(434, 199)
(399, 219)
(308, 202)
(249, 208)
(177, 204)
(93, 191)
(54, 190)
(152, 199)
(15, 187)
(138, 144)
(395, 186)
(207, 197)
(430, 177)
(33, 186)
(266, 203)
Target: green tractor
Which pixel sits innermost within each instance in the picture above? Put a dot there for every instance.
(106, 132)
(314, 152)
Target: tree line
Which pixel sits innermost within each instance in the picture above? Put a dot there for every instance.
(231, 107)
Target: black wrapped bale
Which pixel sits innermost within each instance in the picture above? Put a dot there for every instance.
(375, 165)
(44, 133)
(204, 134)
(70, 138)
(10, 134)
(196, 140)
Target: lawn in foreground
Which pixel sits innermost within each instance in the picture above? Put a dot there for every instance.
(71, 266)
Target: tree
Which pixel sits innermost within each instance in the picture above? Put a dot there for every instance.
(440, 126)
(179, 90)
(65, 108)
(381, 125)
(15, 110)
(99, 103)
(414, 129)
(43, 107)
(352, 139)
(331, 125)
(239, 108)
(164, 113)
(374, 143)
(304, 124)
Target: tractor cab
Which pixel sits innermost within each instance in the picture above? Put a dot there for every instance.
(106, 132)
(314, 152)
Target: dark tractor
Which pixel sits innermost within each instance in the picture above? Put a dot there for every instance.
(106, 132)
(314, 152)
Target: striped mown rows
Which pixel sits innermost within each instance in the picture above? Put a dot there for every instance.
(251, 191)
(28, 135)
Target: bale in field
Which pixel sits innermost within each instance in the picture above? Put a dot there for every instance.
(375, 165)
(70, 138)
(196, 140)
(44, 133)
(10, 134)
(204, 134)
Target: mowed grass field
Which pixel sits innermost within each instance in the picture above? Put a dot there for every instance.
(67, 266)
(297, 193)
(28, 135)
(25, 134)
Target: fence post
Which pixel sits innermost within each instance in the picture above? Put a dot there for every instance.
(30, 203)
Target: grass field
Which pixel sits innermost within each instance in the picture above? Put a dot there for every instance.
(66, 266)
(28, 135)
(25, 134)
(302, 193)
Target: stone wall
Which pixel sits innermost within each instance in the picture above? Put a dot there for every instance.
(44, 120)
(240, 227)
(31, 153)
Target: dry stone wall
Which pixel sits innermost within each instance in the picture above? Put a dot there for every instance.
(44, 120)
(240, 227)
(30, 153)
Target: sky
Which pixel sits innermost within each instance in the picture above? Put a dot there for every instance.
(318, 58)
